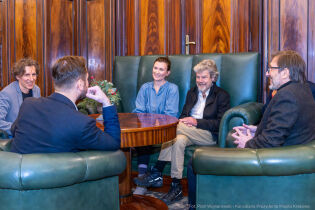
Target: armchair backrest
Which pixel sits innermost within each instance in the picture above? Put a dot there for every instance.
(239, 76)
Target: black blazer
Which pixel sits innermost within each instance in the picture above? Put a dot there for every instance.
(52, 124)
(217, 103)
(289, 118)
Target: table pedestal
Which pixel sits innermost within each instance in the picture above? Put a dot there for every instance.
(129, 201)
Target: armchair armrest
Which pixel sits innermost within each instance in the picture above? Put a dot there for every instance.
(51, 170)
(278, 161)
(248, 113)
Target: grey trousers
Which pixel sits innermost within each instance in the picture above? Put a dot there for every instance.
(174, 150)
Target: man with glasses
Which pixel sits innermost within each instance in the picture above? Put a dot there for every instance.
(25, 72)
(289, 118)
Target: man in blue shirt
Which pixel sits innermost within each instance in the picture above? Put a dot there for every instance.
(158, 97)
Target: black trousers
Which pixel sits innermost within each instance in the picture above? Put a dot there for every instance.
(144, 154)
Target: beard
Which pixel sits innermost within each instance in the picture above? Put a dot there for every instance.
(83, 94)
(274, 84)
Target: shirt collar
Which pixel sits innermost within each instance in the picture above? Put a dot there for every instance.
(207, 92)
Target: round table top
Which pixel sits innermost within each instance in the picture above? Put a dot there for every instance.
(141, 129)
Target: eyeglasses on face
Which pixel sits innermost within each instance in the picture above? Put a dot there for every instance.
(273, 67)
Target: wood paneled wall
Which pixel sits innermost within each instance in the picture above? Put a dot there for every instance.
(46, 30)
(159, 26)
(100, 29)
(289, 24)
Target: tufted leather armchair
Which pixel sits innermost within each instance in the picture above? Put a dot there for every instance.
(239, 76)
(82, 180)
(273, 178)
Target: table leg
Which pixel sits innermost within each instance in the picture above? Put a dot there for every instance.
(125, 193)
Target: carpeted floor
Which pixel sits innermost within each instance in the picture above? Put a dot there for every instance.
(182, 204)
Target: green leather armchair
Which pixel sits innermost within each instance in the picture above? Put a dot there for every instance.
(82, 180)
(239, 76)
(273, 178)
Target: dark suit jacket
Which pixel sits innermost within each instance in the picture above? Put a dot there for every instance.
(269, 97)
(289, 118)
(52, 124)
(217, 103)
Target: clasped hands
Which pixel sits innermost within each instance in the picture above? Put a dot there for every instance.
(243, 134)
(189, 121)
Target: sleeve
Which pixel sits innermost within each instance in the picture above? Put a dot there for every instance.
(283, 115)
(141, 101)
(214, 124)
(4, 109)
(109, 139)
(172, 101)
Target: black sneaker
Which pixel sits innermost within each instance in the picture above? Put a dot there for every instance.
(153, 178)
(174, 194)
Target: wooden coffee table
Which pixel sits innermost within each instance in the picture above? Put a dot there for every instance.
(141, 129)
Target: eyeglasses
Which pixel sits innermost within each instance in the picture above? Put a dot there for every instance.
(273, 67)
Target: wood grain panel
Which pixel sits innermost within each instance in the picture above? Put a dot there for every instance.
(59, 35)
(240, 24)
(25, 29)
(109, 37)
(174, 27)
(192, 17)
(152, 27)
(120, 27)
(311, 42)
(216, 24)
(39, 45)
(293, 22)
(255, 26)
(273, 27)
(96, 38)
(132, 27)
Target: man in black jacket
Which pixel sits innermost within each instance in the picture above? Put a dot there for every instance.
(289, 118)
(198, 125)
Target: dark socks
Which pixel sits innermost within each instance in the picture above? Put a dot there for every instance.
(176, 181)
(160, 165)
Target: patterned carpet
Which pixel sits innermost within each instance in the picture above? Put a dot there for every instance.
(179, 205)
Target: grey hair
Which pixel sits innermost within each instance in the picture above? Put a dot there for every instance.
(208, 65)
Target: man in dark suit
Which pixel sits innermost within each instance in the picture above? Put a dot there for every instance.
(198, 125)
(289, 118)
(53, 124)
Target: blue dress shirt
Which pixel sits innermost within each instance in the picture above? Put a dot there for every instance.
(164, 102)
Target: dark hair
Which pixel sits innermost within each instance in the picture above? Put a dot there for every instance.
(294, 62)
(19, 66)
(164, 60)
(68, 70)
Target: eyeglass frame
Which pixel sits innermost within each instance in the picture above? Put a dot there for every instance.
(273, 67)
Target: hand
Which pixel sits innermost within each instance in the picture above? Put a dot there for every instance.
(241, 138)
(189, 121)
(244, 128)
(98, 95)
